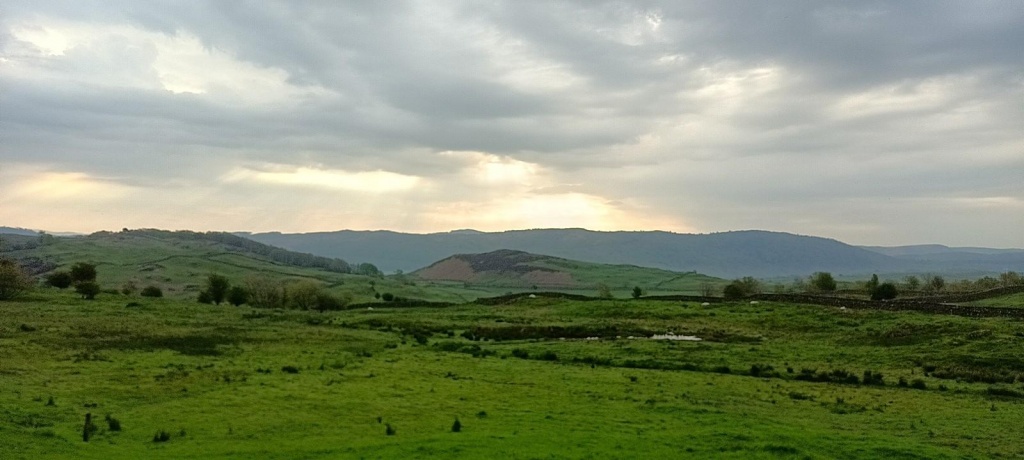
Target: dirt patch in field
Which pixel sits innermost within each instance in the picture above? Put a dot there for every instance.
(451, 269)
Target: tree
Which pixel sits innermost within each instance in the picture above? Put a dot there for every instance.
(13, 280)
(823, 282)
(637, 292)
(603, 291)
(82, 272)
(237, 295)
(912, 282)
(151, 291)
(884, 291)
(872, 284)
(368, 269)
(734, 291)
(750, 285)
(59, 279)
(707, 289)
(217, 288)
(205, 297)
(87, 289)
(1011, 279)
(936, 283)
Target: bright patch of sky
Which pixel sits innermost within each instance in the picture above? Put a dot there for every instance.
(889, 122)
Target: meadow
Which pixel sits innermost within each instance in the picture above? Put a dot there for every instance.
(527, 378)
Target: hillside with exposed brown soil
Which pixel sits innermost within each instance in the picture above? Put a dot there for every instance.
(511, 267)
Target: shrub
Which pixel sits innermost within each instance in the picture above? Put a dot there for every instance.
(722, 370)
(873, 378)
(733, 291)
(82, 272)
(1004, 392)
(520, 353)
(548, 356)
(290, 369)
(389, 430)
(637, 292)
(799, 396)
(884, 291)
(823, 281)
(205, 297)
(87, 289)
(151, 291)
(457, 426)
(264, 292)
(918, 384)
(13, 280)
(387, 297)
(237, 295)
(303, 295)
(161, 436)
(113, 424)
(59, 280)
(128, 288)
(217, 288)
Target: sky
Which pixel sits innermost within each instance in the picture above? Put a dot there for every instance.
(872, 122)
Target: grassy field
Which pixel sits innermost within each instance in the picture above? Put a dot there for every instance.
(1011, 301)
(226, 382)
(179, 266)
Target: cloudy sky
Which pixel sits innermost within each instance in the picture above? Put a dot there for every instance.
(873, 122)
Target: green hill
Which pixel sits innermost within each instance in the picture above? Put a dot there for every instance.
(522, 270)
(179, 263)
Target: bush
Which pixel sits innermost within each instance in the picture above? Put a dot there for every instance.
(13, 280)
(59, 280)
(217, 288)
(918, 384)
(457, 426)
(733, 291)
(823, 281)
(873, 378)
(520, 353)
(151, 291)
(161, 436)
(88, 290)
(205, 297)
(387, 297)
(237, 295)
(637, 292)
(82, 272)
(113, 424)
(389, 430)
(884, 291)
(290, 369)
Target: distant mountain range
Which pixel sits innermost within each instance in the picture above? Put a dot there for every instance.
(728, 254)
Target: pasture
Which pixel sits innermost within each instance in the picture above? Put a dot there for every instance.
(184, 380)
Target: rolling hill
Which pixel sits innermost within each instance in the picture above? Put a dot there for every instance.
(729, 254)
(177, 262)
(517, 269)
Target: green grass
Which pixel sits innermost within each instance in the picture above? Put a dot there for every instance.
(1011, 301)
(212, 378)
